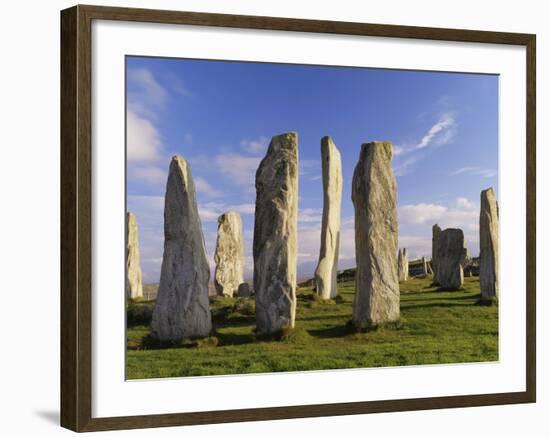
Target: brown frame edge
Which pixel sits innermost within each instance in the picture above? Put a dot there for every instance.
(76, 222)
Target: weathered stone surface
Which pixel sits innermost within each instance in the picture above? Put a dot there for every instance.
(374, 195)
(452, 254)
(134, 287)
(424, 266)
(402, 265)
(436, 232)
(327, 268)
(275, 235)
(229, 254)
(182, 307)
(488, 244)
(244, 290)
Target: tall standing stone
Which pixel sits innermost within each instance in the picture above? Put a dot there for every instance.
(134, 286)
(452, 255)
(182, 307)
(436, 232)
(327, 268)
(402, 265)
(489, 245)
(374, 195)
(229, 254)
(275, 235)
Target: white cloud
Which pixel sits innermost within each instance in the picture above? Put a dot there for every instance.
(258, 146)
(421, 213)
(310, 215)
(238, 168)
(440, 133)
(202, 186)
(475, 171)
(150, 91)
(143, 139)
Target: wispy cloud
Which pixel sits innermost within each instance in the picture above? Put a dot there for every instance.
(258, 146)
(442, 132)
(147, 88)
(202, 186)
(475, 171)
(237, 168)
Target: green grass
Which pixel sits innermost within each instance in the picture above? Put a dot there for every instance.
(436, 327)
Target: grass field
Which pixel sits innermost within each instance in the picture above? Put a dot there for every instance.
(436, 327)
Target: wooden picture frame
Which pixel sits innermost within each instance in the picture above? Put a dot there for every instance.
(76, 217)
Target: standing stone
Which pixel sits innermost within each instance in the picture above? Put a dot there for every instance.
(488, 244)
(134, 287)
(327, 268)
(275, 235)
(374, 195)
(182, 308)
(402, 265)
(436, 232)
(229, 254)
(452, 254)
(424, 266)
(244, 290)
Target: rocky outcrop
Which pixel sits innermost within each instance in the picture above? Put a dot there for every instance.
(374, 195)
(182, 307)
(452, 255)
(436, 232)
(134, 287)
(402, 265)
(489, 245)
(327, 268)
(275, 235)
(229, 254)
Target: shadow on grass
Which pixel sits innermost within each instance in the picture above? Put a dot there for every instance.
(233, 339)
(332, 332)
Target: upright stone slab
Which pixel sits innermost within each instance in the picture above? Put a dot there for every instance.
(182, 307)
(424, 266)
(402, 265)
(244, 290)
(327, 268)
(436, 233)
(374, 195)
(134, 287)
(489, 245)
(275, 235)
(229, 254)
(452, 254)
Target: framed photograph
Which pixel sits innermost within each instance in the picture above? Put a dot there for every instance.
(269, 218)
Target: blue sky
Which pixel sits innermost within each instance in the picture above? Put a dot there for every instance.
(221, 115)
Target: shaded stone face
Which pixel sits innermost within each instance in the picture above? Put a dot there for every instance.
(402, 265)
(452, 255)
(327, 268)
(229, 254)
(436, 232)
(275, 235)
(244, 290)
(374, 195)
(488, 244)
(134, 287)
(182, 307)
